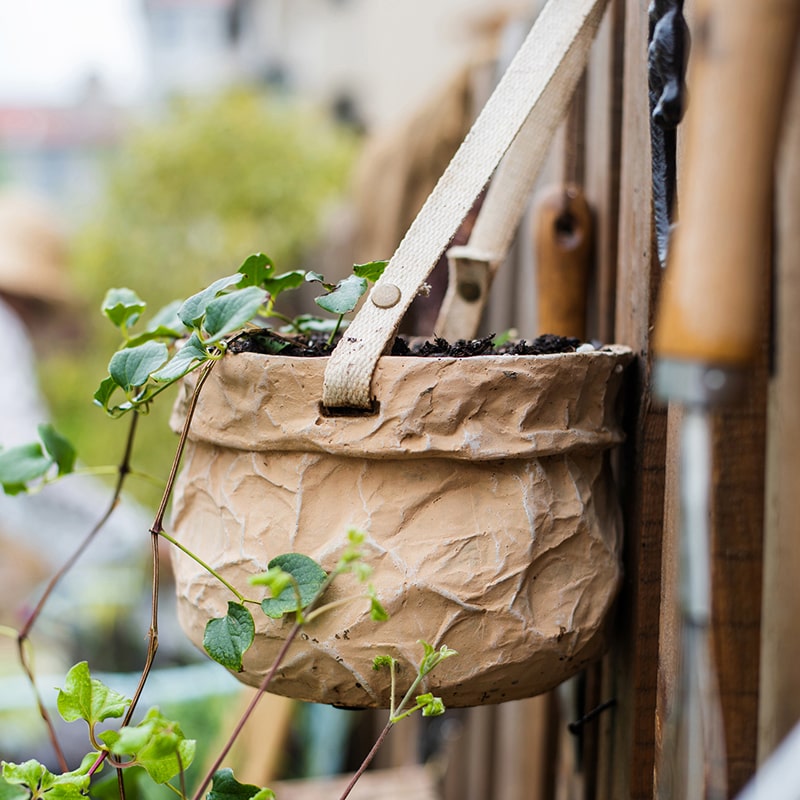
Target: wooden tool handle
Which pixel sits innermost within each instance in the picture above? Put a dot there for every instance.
(738, 74)
(563, 244)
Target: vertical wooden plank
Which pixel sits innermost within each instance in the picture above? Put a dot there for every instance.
(627, 757)
(480, 750)
(779, 708)
(602, 158)
(670, 616)
(525, 749)
(737, 519)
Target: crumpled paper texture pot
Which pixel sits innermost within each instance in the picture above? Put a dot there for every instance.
(484, 488)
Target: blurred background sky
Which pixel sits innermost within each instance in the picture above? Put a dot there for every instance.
(49, 49)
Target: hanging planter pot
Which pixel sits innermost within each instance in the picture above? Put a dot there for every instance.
(482, 484)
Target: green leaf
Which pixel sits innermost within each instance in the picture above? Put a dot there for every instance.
(40, 781)
(167, 318)
(345, 296)
(155, 335)
(372, 270)
(132, 366)
(377, 612)
(231, 311)
(433, 657)
(60, 449)
(309, 577)
(287, 280)
(191, 353)
(225, 787)
(19, 465)
(310, 323)
(226, 639)
(431, 706)
(123, 307)
(256, 269)
(379, 662)
(275, 579)
(10, 791)
(316, 277)
(83, 697)
(104, 392)
(192, 310)
(156, 743)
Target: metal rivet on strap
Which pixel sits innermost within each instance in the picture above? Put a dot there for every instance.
(385, 295)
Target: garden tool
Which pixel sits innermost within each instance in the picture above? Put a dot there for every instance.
(563, 245)
(709, 328)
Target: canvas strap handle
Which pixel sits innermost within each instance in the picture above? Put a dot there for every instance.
(536, 88)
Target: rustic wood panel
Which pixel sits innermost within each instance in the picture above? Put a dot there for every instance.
(602, 164)
(780, 653)
(737, 521)
(627, 754)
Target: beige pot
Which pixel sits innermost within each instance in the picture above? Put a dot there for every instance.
(484, 490)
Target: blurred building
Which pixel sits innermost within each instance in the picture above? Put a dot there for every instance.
(56, 151)
(369, 61)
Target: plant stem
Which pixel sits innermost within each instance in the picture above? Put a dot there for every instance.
(239, 596)
(23, 636)
(330, 606)
(335, 330)
(408, 695)
(123, 470)
(366, 762)
(291, 636)
(155, 531)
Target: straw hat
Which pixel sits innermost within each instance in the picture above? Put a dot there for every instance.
(33, 249)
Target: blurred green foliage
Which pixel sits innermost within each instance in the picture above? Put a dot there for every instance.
(189, 197)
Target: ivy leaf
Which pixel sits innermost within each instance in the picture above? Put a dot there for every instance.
(316, 277)
(256, 269)
(165, 324)
(309, 577)
(345, 296)
(228, 313)
(39, 781)
(191, 310)
(10, 791)
(132, 366)
(433, 657)
(226, 639)
(274, 578)
(192, 352)
(156, 743)
(167, 318)
(154, 335)
(287, 280)
(123, 307)
(83, 697)
(104, 392)
(431, 706)
(60, 449)
(19, 465)
(379, 662)
(372, 270)
(377, 612)
(225, 787)
(308, 322)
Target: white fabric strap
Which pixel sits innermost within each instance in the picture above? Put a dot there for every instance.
(538, 84)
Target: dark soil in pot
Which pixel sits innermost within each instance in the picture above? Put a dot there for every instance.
(267, 342)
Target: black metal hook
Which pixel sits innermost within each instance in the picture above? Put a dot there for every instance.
(668, 53)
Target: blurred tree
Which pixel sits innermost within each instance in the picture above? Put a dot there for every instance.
(189, 197)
